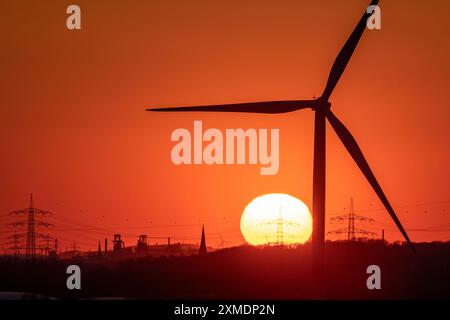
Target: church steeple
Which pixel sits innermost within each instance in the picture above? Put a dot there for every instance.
(203, 249)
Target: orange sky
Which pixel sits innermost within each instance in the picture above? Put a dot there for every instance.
(74, 131)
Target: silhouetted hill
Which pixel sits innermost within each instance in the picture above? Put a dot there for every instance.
(246, 273)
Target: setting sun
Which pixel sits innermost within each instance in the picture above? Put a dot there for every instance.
(276, 218)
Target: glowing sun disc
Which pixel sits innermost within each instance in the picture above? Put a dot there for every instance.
(276, 218)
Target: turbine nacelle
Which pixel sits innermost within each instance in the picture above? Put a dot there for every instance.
(321, 104)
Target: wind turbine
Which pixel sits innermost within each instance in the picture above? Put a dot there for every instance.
(321, 107)
(222, 242)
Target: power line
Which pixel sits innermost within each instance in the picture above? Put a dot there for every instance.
(398, 207)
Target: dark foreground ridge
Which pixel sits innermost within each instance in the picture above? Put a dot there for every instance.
(244, 273)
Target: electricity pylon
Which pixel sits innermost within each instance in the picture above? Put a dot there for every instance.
(280, 222)
(32, 222)
(351, 230)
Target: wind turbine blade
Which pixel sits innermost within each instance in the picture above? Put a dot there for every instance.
(249, 107)
(357, 155)
(345, 54)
